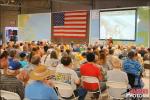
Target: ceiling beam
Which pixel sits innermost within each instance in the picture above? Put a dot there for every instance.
(50, 5)
(72, 2)
(17, 6)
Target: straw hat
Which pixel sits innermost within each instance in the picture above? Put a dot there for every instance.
(39, 73)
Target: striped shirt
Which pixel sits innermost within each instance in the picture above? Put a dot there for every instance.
(12, 84)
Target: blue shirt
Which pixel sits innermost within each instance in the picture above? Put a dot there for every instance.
(24, 64)
(40, 91)
(132, 67)
(135, 68)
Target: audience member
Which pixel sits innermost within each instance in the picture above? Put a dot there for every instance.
(69, 76)
(117, 75)
(102, 61)
(23, 76)
(4, 61)
(90, 69)
(23, 60)
(32, 53)
(9, 81)
(39, 89)
(71, 60)
(13, 61)
(109, 58)
(147, 55)
(35, 61)
(133, 69)
(50, 61)
(142, 51)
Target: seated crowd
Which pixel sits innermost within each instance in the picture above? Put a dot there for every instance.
(32, 69)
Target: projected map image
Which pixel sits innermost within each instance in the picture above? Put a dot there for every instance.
(33, 27)
(118, 24)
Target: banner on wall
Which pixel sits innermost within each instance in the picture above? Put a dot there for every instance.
(34, 27)
(70, 26)
(11, 34)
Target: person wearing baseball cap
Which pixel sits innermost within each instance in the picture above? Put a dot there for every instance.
(23, 60)
(9, 81)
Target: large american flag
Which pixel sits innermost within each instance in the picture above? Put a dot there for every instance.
(70, 24)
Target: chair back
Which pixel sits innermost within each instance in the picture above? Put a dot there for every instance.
(90, 79)
(116, 90)
(64, 89)
(1, 71)
(9, 95)
(94, 80)
(113, 84)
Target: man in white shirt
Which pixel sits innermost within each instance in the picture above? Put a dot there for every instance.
(65, 74)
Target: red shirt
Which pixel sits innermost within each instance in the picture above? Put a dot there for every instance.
(90, 69)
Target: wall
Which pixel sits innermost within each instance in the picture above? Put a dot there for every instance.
(103, 4)
(142, 36)
(8, 15)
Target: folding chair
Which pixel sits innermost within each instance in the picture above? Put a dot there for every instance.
(9, 95)
(64, 90)
(116, 90)
(1, 71)
(91, 79)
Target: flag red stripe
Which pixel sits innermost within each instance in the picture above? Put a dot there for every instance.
(74, 24)
(69, 28)
(69, 32)
(76, 12)
(75, 20)
(68, 16)
(69, 36)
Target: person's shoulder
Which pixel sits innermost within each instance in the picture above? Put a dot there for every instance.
(123, 72)
(134, 62)
(69, 70)
(109, 72)
(43, 56)
(14, 81)
(3, 77)
(83, 65)
(20, 84)
(137, 63)
(73, 71)
(96, 66)
(126, 60)
(86, 64)
(47, 87)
